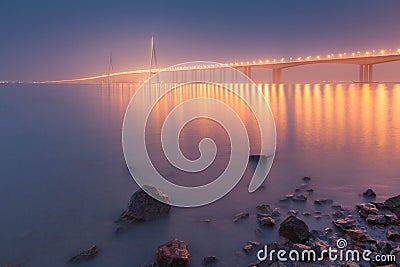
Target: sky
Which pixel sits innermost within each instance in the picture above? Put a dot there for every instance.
(52, 39)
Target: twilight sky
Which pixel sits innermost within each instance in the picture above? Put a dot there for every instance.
(50, 39)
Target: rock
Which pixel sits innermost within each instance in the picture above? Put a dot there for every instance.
(293, 212)
(357, 235)
(284, 199)
(173, 253)
(306, 213)
(294, 229)
(300, 198)
(393, 204)
(254, 243)
(393, 233)
(290, 195)
(344, 223)
(240, 216)
(264, 208)
(378, 219)
(323, 201)
(85, 255)
(210, 260)
(364, 209)
(306, 178)
(310, 190)
(369, 193)
(276, 213)
(266, 221)
(379, 205)
(247, 248)
(143, 207)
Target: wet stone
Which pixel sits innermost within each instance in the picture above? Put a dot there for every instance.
(294, 229)
(344, 223)
(143, 207)
(266, 221)
(173, 253)
(300, 198)
(364, 209)
(369, 193)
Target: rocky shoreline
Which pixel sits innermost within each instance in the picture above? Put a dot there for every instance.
(370, 225)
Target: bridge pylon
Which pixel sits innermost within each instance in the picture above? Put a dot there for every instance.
(366, 73)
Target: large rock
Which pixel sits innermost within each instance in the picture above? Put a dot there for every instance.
(173, 253)
(294, 229)
(393, 204)
(143, 207)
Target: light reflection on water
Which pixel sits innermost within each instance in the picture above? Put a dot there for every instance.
(63, 179)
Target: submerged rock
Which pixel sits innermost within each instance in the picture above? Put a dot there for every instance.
(210, 260)
(294, 229)
(173, 253)
(300, 198)
(143, 207)
(264, 208)
(266, 221)
(85, 255)
(369, 193)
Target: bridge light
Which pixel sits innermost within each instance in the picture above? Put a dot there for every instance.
(274, 60)
(260, 61)
(382, 51)
(367, 53)
(398, 50)
(282, 59)
(292, 58)
(329, 56)
(236, 63)
(358, 52)
(353, 54)
(299, 58)
(267, 61)
(247, 63)
(241, 63)
(254, 62)
(318, 57)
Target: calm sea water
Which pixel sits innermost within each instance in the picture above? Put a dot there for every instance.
(63, 179)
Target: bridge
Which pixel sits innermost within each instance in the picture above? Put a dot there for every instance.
(364, 60)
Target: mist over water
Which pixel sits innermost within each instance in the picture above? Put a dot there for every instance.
(63, 179)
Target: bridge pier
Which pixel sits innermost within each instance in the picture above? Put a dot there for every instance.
(366, 73)
(277, 75)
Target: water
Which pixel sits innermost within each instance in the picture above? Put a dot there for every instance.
(63, 179)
